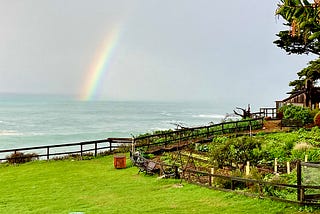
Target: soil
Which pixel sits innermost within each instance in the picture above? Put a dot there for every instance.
(272, 126)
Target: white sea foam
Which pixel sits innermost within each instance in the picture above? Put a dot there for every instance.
(158, 129)
(9, 133)
(164, 113)
(213, 116)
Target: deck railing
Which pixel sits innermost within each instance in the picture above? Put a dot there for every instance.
(266, 112)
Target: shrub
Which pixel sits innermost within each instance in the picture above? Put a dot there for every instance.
(317, 119)
(299, 154)
(19, 157)
(235, 151)
(302, 114)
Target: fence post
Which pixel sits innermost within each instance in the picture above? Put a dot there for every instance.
(288, 167)
(232, 185)
(95, 149)
(110, 146)
(176, 172)
(299, 182)
(165, 140)
(148, 142)
(248, 168)
(273, 113)
(48, 153)
(81, 150)
(211, 177)
(132, 145)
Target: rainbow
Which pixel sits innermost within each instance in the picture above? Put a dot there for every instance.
(96, 74)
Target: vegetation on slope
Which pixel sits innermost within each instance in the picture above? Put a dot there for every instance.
(94, 186)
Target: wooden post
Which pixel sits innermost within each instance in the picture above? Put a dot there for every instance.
(305, 160)
(161, 169)
(176, 172)
(276, 166)
(260, 190)
(165, 140)
(95, 149)
(48, 153)
(81, 150)
(299, 182)
(211, 177)
(132, 146)
(288, 167)
(110, 145)
(274, 113)
(232, 184)
(248, 168)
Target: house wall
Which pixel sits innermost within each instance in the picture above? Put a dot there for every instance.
(297, 100)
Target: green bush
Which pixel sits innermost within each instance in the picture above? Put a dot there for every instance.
(302, 114)
(299, 154)
(228, 151)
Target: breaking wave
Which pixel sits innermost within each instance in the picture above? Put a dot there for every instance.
(10, 133)
(212, 116)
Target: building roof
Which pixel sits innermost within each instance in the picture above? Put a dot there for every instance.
(294, 94)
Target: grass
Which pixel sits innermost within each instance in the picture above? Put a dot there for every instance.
(94, 186)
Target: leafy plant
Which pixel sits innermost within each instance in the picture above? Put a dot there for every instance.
(299, 113)
(19, 157)
(235, 151)
(202, 148)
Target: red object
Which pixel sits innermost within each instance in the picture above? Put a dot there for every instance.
(119, 161)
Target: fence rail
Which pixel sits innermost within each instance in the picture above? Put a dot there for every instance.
(258, 188)
(184, 135)
(51, 151)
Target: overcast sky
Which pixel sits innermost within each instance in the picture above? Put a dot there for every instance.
(167, 49)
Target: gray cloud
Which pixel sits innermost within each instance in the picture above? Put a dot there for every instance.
(168, 50)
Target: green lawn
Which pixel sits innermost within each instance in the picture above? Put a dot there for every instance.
(94, 186)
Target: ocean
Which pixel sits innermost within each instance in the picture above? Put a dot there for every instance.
(27, 121)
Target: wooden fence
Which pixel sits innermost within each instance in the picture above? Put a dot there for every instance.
(81, 148)
(258, 188)
(196, 134)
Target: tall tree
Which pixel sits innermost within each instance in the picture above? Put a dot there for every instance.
(303, 20)
(302, 17)
(312, 73)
